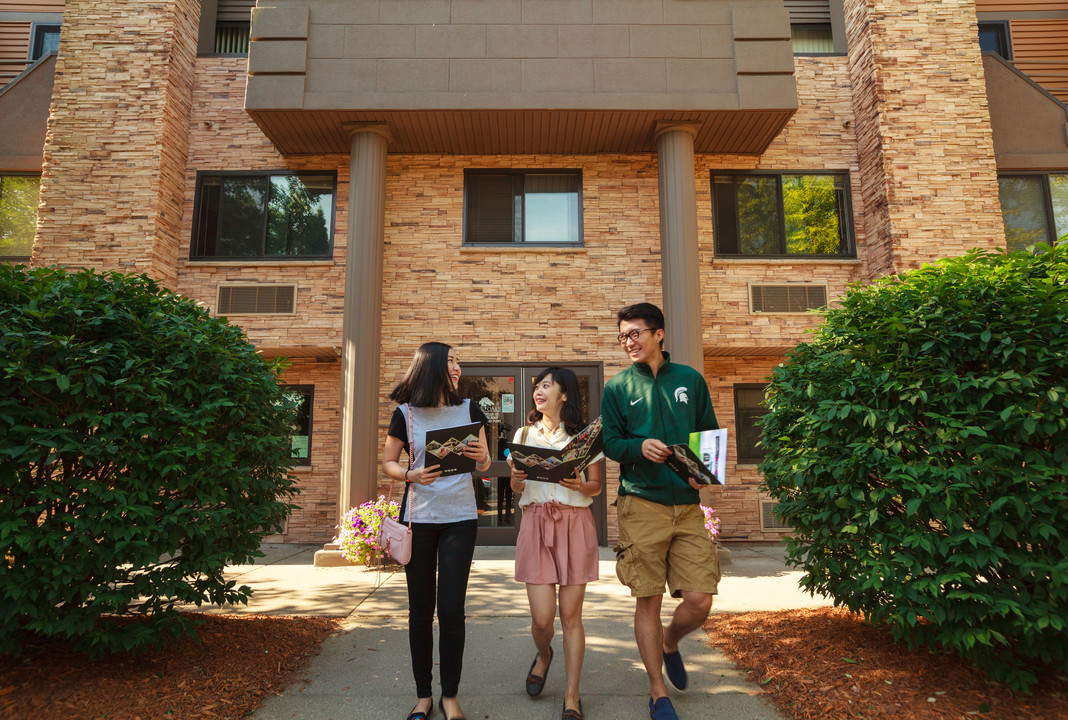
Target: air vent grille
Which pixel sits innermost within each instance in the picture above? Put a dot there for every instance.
(792, 298)
(809, 11)
(256, 299)
(768, 521)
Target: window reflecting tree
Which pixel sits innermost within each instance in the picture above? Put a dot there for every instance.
(810, 207)
(18, 214)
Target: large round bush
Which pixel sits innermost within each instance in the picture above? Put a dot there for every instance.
(144, 445)
(918, 444)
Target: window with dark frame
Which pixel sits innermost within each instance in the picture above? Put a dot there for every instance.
(232, 38)
(994, 38)
(782, 214)
(505, 207)
(18, 215)
(44, 40)
(748, 408)
(231, 25)
(812, 39)
(1034, 208)
(302, 430)
(264, 215)
(810, 27)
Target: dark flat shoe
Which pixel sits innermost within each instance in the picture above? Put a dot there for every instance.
(441, 704)
(571, 713)
(536, 683)
(420, 714)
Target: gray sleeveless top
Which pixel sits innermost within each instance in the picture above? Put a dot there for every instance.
(450, 498)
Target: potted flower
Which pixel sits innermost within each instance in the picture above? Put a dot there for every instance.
(358, 532)
(711, 522)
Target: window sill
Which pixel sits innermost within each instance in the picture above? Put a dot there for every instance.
(524, 248)
(258, 262)
(779, 260)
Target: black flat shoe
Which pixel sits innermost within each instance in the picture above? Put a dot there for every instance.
(421, 714)
(441, 704)
(571, 713)
(536, 683)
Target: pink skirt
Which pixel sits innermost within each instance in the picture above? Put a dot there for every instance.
(557, 545)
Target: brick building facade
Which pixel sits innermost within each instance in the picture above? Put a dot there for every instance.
(672, 116)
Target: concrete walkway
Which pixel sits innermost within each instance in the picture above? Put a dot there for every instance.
(364, 672)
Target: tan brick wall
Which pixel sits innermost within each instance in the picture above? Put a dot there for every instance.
(315, 521)
(531, 305)
(224, 138)
(116, 143)
(818, 137)
(534, 305)
(525, 305)
(923, 127)
(737, 502)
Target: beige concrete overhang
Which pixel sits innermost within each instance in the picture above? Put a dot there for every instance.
(714, 351)
(510, 77)
(318, 352)
(1030, 125)
(24, 106)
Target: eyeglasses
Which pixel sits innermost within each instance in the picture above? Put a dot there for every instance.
(632, 335)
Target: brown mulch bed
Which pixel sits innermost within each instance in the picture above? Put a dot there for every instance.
(240, 659)
(822, 663)
(828, 664)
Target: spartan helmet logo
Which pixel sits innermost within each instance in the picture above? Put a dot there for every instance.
(681, 396)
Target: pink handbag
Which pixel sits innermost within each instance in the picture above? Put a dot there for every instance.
(395, 537)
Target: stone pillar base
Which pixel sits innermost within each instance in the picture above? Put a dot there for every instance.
(330, 556)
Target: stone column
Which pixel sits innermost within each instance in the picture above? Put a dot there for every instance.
(680, 262)
(113, 175)
(362, 324)
(926, 151)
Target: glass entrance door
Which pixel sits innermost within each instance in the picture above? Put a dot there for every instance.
(504, 392)
(494, 389)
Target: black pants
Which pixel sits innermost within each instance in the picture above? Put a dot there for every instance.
(438, 572)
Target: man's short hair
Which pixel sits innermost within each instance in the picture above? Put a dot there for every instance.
(651, 314)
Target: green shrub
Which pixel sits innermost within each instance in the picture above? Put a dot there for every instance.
(143, 446)
(918, 444)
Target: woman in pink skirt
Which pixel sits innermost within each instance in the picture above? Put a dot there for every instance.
(557, 543)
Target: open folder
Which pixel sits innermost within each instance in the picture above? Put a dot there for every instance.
(548, 465)
(704, 458)
(445, 447)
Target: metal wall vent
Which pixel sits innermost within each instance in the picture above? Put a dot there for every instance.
(792, 298)
(809, 11)
(768, 521)
(256, 299)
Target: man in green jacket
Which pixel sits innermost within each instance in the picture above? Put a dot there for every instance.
(662, 539)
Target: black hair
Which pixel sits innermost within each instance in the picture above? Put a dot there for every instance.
(427, 378)
(571, 413)
(651, 314)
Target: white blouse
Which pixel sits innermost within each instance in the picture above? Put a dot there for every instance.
(536, 491)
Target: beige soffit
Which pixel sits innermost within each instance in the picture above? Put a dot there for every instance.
(479, 80)
(24, 116)
(1030, 126)
(712, 351)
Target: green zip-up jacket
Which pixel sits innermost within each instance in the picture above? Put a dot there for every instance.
(667, 407)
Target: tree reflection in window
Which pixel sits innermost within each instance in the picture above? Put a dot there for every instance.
(18, 214)
(264, 216)
(1034, 209)
(766, 214)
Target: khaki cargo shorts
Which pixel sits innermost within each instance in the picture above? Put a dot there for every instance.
(664, 543)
